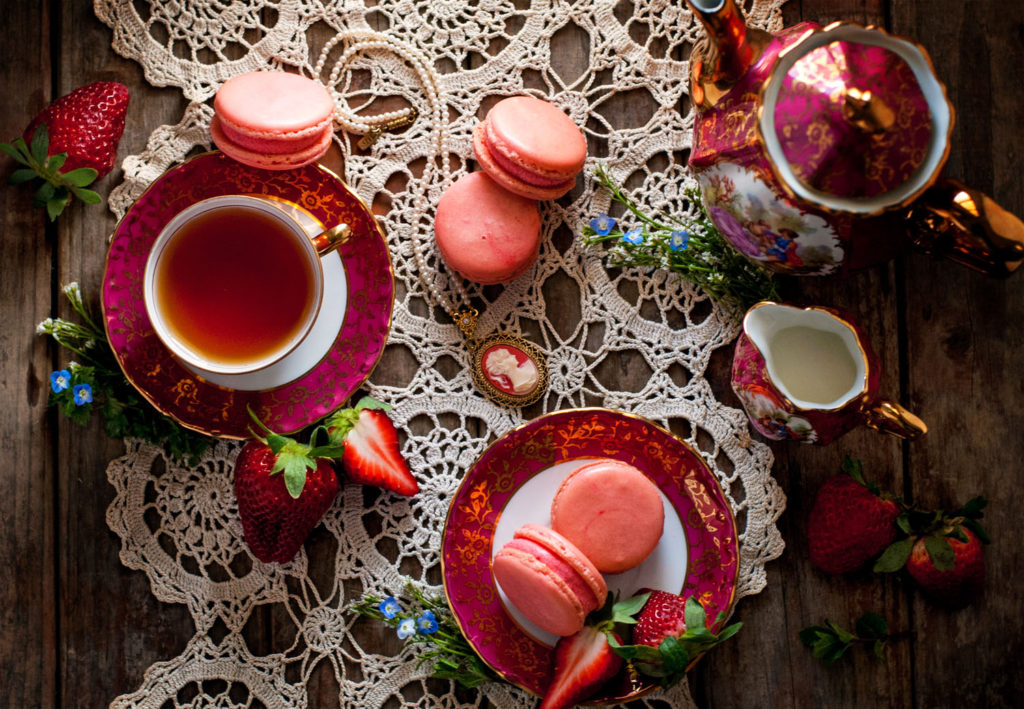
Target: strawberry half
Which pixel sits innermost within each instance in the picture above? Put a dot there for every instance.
(850, 522)
(371, 456)
(71, 143)
(583, 662)
(283, 488)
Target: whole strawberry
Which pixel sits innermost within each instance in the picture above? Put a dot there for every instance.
(850, 522)
(71, 143)
(943, 553)
(370, 441)
(950, 582)
(671, 632)
(284, 488)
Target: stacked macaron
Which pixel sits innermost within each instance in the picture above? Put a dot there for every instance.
(548, 579)
(606, 516)
(530, 147)
(487, 225)
(273, 120)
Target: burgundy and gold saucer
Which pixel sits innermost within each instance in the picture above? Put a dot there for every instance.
(187, 397)
(513, 483)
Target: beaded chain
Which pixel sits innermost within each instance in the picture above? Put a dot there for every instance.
(367, 40)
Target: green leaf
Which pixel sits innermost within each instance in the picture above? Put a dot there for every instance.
(87, 196)
(368, 402)
(729, 631)
(695, 615)
(973, 508)
(903, 522)
(940, 552)
(843, 634)
(872, 625)
(56, 162)
(54, 206)
(625, 611)
(979, 531)
(13, 152)
(80, 177)
(40, 143)
(674, 655)
(879, 649)
(854, 469)
(22, 175)
(895, 557)
(45, 193)
(810, 635)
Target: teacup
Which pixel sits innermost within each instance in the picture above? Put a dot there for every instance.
(234, 283)
(809, 374)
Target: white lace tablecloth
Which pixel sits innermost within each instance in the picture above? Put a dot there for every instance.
(180, 525)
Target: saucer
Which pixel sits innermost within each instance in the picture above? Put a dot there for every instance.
(513, 482)
(310, 382)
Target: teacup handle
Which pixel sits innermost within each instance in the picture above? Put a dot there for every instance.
(968, 227)
(892, 418)
(330, 239)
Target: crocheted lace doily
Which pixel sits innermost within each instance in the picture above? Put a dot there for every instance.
(180, 525)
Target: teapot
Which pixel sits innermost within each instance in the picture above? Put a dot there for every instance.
(820, 150)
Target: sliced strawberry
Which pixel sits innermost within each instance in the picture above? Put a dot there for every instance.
(371, 456)
(583, 662)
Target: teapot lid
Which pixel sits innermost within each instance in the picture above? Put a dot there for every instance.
(854, 120)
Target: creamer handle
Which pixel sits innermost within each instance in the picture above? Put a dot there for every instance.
(892, 418)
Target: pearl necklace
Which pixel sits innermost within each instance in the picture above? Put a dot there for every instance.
(518, 381)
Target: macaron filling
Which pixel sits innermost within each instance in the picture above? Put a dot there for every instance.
(564, 571)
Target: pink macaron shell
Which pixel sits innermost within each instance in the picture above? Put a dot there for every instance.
(612, 512)
(537, 136)
(269, 161)
(509, 181)
(527, 175)
(268, 144)
(483, 232)
(570, 554)
(274, 105)
(538, 592)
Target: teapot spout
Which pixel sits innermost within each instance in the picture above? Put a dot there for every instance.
(730, 50)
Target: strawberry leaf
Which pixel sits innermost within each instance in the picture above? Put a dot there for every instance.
(56, 162)
(973, 508)
(674, 656)
(854, 469)
(55, 205)
(87, 196)
(903, 522)
(695, 615)
(80, 177)
(940, 552)
(979, 531)
(368, 402)
(21, 175)
(625, 611)
(895, 557)
(45, 193)
(13, 152)
(40, 143)
(872, 625)
(879, 649)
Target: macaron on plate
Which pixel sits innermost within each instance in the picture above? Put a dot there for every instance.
(513, 484)
(341, 350)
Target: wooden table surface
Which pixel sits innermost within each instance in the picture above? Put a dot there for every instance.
(78, 629)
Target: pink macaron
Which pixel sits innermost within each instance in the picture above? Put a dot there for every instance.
(548, 579)
(530, 147)
(484, 232)
(611, 511)
(273, 120)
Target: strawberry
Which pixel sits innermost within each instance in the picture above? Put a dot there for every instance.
(583, 662)
(850, 522)
(670, 634)
(943, 553)
(279, 511)
(71, 143)
(370, 440)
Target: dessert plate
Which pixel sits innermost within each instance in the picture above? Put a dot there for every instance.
(312, 381)
(513, 482)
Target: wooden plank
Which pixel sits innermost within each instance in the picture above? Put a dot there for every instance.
(768, 666)
(112, 628)
(28, 622)
(966, 354)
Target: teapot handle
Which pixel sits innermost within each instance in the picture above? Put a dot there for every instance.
(889, 417)
(968, 227)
